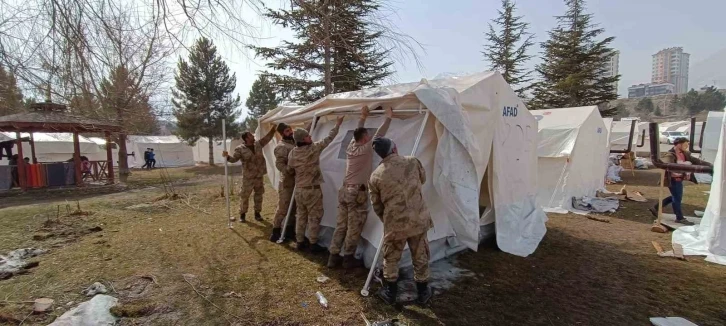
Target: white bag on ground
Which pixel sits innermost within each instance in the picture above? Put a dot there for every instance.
(94, 312)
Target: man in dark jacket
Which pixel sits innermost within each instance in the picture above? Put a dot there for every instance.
(674, 180)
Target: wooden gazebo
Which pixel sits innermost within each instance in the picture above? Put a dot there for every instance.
(55, 118)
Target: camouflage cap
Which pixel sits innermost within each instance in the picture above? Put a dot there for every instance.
(299, 135)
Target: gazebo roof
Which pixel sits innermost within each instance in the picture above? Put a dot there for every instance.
(53, 117)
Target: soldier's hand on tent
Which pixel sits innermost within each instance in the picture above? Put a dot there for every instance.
(274, 126)
(340, 121)
(389, 112)
(225, 154)
(364, 112)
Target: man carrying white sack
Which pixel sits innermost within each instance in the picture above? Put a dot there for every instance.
(353, 194)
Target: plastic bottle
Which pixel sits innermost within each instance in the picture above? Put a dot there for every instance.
(321, 299)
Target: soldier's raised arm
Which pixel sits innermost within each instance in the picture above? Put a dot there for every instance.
(331, 135)
(265, 140)
(383, 129)
(375, 195)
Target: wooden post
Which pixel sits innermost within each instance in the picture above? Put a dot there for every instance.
(22, 181)
(109, 157)
(32, 149)
(77, 159)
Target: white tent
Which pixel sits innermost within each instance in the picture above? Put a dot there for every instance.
(58, 147)
(130, 149)
(711, 135)
(608, 127)
(673, 125)
(473, 135)
(573, 152)
(170, 151)
(201, 150)
(709, 237)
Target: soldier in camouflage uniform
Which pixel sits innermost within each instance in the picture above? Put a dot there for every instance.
(286, 186)
(353, 195)
(253, 171)
(395, 190)
(305, 161)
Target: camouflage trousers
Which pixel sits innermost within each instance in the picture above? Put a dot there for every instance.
(392, 251)
(284, 196)
(248, 186)
(309, 203)
(352, 214)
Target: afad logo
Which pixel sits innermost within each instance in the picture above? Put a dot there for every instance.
(509, 111)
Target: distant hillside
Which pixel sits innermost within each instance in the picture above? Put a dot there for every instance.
(666, 103)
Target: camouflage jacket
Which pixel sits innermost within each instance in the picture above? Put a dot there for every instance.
(395, 188)
(305, 161)
(282, 152)
(253, 161)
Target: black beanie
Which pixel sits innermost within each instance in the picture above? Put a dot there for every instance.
(281, 127)
(383, 146)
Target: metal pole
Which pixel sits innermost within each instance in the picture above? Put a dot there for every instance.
(364, 292)
(292, 200)
(230, 219)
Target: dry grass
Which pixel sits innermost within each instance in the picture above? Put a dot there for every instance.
(585, 272)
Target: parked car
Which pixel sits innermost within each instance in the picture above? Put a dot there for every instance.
(667, 137)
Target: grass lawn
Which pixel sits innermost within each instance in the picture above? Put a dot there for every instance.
(172, 262)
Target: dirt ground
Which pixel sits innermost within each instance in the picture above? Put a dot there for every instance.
(174, 262)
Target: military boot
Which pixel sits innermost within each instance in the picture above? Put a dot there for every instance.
(302, 246)
(334, 260)
(290, 232)
(388, 292)
(258, 217)
(424, 293)
(275, 234)
(349, 262)
(316, 248)
(242, 218)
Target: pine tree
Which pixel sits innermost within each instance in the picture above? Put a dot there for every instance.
(11, 98)
(262, 98)
(203, 96)
(657, 111)
(120, 100)
(574, 63)
(506, 50)
(336, 49)
(645, 105)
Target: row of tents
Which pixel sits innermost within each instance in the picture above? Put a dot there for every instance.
(170, 151)
(493, 167)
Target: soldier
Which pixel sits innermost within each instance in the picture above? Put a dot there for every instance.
(253, 171)
(286, 186)
(395, 190)
(305, 161)
(353, 195)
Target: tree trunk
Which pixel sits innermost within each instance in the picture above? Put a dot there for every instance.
(211, 151)
(123, 165)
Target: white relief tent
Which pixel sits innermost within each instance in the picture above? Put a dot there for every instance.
(201, 150)
(58, 147)
(709, 237)
(620, 133)
(473, 136)
(573, 151)
(711, 135)
(170, 151)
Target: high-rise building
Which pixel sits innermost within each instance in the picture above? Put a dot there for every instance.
(671, 66)
(612, 68)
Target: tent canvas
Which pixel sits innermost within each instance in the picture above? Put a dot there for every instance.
(620, 133)
(58, 147)
(573, 152)
(472, 126)
(170, 151)
(711, 135)
(709, 237)
(201, 150)
(608, 127)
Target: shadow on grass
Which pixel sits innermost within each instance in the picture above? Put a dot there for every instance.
(570, 281)
(210, 170)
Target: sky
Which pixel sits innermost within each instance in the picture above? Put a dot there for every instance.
(452, 33)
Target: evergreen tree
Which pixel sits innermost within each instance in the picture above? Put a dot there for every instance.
(122, 101)
(262, 98)
(657, 112)
(645, 105)
(712, 99)
(574, 63)
(336, 49)
(203, 96)
(11, 98)
(506, 50)
(691, 102)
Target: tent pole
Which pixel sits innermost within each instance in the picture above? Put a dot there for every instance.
(364, 292)
(226, 174)
(292, 200)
